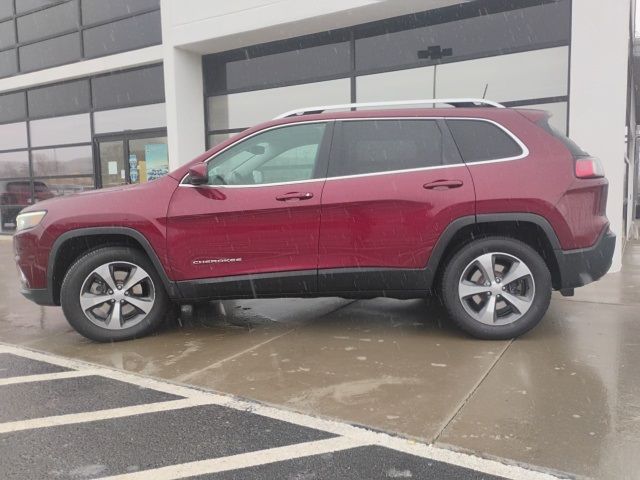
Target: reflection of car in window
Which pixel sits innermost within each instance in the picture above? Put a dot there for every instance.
(16, 194)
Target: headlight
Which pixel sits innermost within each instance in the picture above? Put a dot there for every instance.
(29, 220)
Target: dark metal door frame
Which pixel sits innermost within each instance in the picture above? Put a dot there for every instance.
(124, 137)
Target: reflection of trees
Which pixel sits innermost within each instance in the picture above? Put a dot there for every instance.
(61, 161)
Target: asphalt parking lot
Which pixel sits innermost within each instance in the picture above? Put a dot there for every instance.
(64, 419)
(563, 399)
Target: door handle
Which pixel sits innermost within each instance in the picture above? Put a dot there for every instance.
(294, 196)
(443, 184)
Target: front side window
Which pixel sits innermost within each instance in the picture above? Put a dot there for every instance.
(287, 154)
(375, 146)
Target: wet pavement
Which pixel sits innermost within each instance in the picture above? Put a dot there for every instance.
(564, 398)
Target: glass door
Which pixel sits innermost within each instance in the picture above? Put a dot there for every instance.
(131, 158)
(112, 167)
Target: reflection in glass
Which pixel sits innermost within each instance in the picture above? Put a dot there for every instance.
(12, 107)
(14, 164)
(131, 118)
(60, 130)
(140, 86)
(7, 35)
(61, 99)
(239, 110)
(112, 163)
(94, 11)
(62, 161)
(51, 21)
(49, 53)
(14, 196)
(148, 159)
(13, 136)
(8, 63)
(56, 187)
(323, 55)
(128, 34)
(408, 41)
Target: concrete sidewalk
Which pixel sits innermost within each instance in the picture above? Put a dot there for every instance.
(565, 397)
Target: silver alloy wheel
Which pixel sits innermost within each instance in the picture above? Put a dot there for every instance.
(496, 289)
(117, 295)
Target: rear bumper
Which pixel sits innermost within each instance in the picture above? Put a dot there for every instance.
(580, 267)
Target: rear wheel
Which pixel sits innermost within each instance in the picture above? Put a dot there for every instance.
(113, 294)
(496, 288)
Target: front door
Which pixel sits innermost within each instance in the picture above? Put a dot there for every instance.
(259, 216)
(131, 158)
(393, 187)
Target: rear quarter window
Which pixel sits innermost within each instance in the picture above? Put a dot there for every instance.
(480, 141)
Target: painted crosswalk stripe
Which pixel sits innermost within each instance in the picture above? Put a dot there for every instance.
(242, 460)
(46, 377)
(108, 414)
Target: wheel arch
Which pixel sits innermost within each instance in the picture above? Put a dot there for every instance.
(70, 245)
(529, 228)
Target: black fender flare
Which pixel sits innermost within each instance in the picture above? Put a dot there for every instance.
(454, 227)
(170, 285)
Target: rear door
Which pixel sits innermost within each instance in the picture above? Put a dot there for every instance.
(393, 186)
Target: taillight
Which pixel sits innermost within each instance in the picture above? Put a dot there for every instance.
(589, 167)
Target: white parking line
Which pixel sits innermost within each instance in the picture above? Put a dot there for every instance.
(194, 397)
(242, 460)
(46, 376)
(108, 414)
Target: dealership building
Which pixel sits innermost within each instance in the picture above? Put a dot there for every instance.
(97, 93)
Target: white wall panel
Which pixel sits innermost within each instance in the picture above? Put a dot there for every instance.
(411, 84)
(518, 76)
(131, 118)
(599, 76)
(241, 110)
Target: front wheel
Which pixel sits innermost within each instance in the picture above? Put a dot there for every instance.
(496, 288)
(114, 294)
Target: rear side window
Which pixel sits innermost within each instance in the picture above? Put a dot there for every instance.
(373, 146)
(572, 146)
(479, 141)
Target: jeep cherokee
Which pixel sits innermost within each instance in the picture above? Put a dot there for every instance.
(489, 207)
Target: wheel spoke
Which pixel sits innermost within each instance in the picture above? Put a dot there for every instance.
(468, 289)
(488, 313)
(114, 322)
(88, 300)
(136, 275)
(485, 264)
(517, 271)
(521, 304)
(140, 303)
(104, 272)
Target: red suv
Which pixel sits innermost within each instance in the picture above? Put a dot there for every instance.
(488, 207)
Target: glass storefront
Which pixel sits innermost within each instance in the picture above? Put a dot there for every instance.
(66, 138)
(515, 52)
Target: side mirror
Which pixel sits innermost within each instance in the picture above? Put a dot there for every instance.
(199, 174)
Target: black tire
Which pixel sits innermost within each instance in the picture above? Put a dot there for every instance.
(82, 268)
(449, 288)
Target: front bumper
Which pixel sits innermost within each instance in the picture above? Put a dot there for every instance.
(40, 296)
(580, 267)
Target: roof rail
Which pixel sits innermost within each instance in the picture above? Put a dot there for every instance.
(454, 102)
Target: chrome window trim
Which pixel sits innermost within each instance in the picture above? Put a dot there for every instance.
(525, 152)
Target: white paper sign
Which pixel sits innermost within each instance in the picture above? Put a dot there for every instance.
(113, 168)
